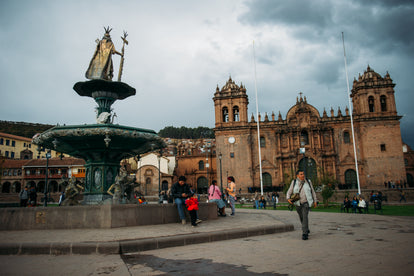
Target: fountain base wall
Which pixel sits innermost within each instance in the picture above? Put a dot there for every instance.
(96, 216)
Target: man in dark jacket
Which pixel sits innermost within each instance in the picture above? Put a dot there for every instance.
(180, 191)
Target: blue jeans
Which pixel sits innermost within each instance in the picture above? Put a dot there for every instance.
(232, 202)
(256, 203)
(180, 206)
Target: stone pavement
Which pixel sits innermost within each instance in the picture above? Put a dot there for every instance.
(339, 244)
(139, 238)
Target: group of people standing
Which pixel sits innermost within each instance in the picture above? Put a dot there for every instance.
(28, 197)
(184, 196)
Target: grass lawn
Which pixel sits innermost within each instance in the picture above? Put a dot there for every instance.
(388, 210)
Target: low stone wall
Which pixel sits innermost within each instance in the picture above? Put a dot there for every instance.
(339, 195)
(96, 216)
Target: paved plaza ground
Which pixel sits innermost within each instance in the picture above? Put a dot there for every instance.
(339, 244)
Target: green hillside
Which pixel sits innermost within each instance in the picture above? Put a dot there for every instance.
(22, 128)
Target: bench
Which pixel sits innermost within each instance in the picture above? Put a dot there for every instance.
(366, 209)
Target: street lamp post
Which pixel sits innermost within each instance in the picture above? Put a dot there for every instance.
(207, 165)
(159, 177)
(221, 178)
(47, 170)
(302, 150)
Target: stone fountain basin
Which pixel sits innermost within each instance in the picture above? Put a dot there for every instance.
(99, 141)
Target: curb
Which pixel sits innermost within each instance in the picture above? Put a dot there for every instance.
(140, 245)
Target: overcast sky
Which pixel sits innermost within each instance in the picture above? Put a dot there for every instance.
(179, 51)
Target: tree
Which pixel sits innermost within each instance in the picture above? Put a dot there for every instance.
(327, 193)
(186, 133)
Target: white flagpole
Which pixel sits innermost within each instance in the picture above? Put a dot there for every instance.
(258, 128)
(350, 112)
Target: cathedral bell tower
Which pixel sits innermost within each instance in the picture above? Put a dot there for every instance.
(373, 95)
(230, 104)
(378, 134)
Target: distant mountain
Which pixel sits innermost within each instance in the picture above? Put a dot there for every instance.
(22, 128)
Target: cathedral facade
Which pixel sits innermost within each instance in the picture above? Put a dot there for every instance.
(321, 145)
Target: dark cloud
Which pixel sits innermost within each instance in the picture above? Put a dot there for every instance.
(317, 14)
(381, 25)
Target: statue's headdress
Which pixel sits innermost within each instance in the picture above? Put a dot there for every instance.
(107, 31)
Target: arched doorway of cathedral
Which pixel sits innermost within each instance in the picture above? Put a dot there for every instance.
(410, 180)
(164, 185)
(202, 185)
(267, 182)
(308, 165)
(350, 179)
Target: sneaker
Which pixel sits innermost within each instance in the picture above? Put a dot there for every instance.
(194, 225)
(304, 237)
(183, 221)
(222, 215)
(232, 214)
(198, 221)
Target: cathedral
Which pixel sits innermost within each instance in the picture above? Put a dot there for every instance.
(320, 145)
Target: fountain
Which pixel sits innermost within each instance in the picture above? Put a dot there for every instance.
(104, 144)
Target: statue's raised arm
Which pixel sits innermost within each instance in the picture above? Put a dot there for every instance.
(101, 66)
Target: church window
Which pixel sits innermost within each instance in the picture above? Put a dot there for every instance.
(383, 101)
(371, 104)
(382, 147)
(236, 116)
(148, 181)
(1, 141)
(231, 154)
(262, 142)
(225, 114)
(304, 138)
(347, 139)
(201, 165)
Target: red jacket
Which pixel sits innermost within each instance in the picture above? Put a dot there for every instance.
(192, 204)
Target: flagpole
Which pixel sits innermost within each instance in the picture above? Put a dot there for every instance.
(351, 111)
(258, 128)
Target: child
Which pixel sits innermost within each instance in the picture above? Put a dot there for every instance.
(192, 207)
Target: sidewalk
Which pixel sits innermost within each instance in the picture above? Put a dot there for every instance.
(339, 244)
(246, 223)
